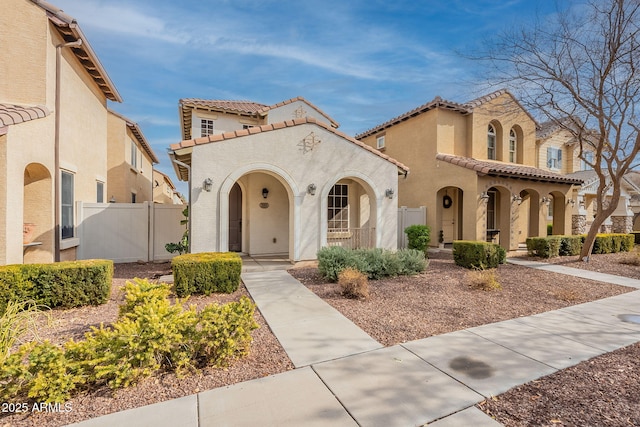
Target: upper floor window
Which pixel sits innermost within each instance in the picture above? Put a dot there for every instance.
(491, 143)
(554, 158)
(586, 161)
(513, 146)
(380, 143)
(206, 127)
(134, 154)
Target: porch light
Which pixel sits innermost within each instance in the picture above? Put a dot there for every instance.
(571, 202)
(207, 184)
(112, 199)
(516, 198)
(546, 200)
(311, 189)
(265, 193)
(484, 196)
(389, 193)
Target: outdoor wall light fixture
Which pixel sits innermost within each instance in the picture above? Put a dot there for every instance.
(571, 202)
(311, 189)
(389, 193)
(484, 196)
(516, 198)
(207, 184)
(546, 200)
(112, 199)
(265, 193)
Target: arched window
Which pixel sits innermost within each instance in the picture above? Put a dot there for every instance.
(491, 143)
(513, 146)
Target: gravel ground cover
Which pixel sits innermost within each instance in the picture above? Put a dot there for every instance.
(398, 310)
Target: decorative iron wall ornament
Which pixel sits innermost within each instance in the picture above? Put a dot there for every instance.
(308, 143)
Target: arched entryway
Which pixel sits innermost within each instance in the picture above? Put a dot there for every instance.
(259, 215)
(37, 214)
(498, 216)
(528, 214)
(556, 205)
(449, 214)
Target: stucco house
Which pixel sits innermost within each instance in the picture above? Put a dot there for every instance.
(474, 167)
(282, 180)
(53, 130)
(164, 190)
(130, 162)
(558, 151)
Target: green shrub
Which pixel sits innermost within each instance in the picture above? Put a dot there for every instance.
(206, 272)
(544, 247)
(419, 237)
(40, 371)
(376, 263)
(151, 334)
(603, 244)
(627, 243)
(570, 245)
(478, 255)
(412, 261)
(549, 229)
(607, 243)
(63, 284)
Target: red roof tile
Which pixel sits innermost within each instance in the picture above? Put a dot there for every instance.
(246, 107)
(11, 114)
(289, 123)
(508, 170)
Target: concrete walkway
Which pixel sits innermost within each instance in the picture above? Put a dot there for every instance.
(345, 378)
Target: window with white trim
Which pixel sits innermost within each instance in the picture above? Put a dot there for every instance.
(339, 208)
(491, 143)
(586, 161)
(206, 127)
(99, 192)
(66, 204)
(513, 146)
(380, 142)
(554, 158)
(134, 154)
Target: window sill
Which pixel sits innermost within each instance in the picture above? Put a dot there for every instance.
(71, 242)
(133, 169)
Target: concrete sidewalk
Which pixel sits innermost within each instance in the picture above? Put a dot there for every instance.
(345, 378)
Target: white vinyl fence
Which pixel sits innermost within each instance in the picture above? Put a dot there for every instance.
(406, 217)
(128, 232)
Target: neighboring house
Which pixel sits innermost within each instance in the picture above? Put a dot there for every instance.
(473, 166)
(164, 191)
(282, 180)
(558, 151)
(53, 130)
(130, 162)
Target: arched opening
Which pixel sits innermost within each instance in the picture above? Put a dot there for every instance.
(529, 214)
(37, 214)
(516, 149)
(498, 216)
(556, 205)
(494, 141)
(350, 206)
(449, 215)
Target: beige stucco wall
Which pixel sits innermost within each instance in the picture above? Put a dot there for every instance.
(122, 177)
(275, 160)
(162, 191)
(221, 122)
(29, 78)
(24, 35)
(294, 110)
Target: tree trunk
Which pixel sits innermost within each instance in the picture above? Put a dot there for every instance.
(600, 218)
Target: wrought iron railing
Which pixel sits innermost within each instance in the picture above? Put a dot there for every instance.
(352, 238)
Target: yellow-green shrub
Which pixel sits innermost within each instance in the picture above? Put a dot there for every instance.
(486, 280)
(478, 255)
(62, 284)
(206, 272)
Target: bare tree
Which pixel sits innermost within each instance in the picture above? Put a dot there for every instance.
(581, 70)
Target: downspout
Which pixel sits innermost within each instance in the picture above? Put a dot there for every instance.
(56, 179)
(178, 162)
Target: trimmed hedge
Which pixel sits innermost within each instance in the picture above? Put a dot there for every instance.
(553, 246)
(375, 263)
(63, 284)
(419, 237)
(478, 255)
(206, 272)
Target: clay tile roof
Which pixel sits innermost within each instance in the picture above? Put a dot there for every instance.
(508, 170)
(265, 110)
(288, 123)
(243, 107)
(13, 114)
(70, 31)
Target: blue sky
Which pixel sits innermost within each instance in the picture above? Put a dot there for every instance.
(360, 61)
